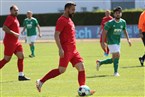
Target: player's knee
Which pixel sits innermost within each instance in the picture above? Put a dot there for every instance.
(62, 70)
(21, 56)
(7, 58)
(80, 66)
(117, 55)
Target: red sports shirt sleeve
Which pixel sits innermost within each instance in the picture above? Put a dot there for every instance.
(8, 22)
(60, 25)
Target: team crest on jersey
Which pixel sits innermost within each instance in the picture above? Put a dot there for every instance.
(121, 26)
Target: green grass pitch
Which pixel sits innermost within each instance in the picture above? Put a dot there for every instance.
(131, 82)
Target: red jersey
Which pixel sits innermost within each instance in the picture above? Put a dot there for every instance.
(13, 24)
(67, 33)
(104, 20)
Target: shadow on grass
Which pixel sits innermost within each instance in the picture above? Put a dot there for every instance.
(81, 96)
(133, 67)
(95, 76)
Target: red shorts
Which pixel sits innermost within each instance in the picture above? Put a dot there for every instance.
(73, 57)
(101, 39)
(10, 48)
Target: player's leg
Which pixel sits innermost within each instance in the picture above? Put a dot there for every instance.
(106, 51)
(141, 59)
(106, 61)
(63, 63)
(32, 49)
(115, 50)
(5, 60)
(51, 74)
(101, 62)
(29, 42)
(102, 46)
(115, 57)
(77, 62)
(20, 62)
(81, 73)
(32, 46)
(7, 54)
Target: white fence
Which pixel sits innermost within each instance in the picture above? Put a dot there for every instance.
(47, 33)
(82, 32)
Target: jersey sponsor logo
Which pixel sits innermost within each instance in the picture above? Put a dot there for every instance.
(117, 31)
(29, 25)
(121, 26)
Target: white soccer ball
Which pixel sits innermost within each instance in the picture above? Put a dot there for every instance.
(84, 90)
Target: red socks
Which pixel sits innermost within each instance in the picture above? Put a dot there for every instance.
(81, 78)
(2, 63)
(53, 73)
(20, 65)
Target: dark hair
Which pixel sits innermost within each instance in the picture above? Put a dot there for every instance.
(118, 8)
(69, 4)
(11, 7)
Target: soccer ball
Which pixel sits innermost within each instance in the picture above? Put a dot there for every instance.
(84, 90)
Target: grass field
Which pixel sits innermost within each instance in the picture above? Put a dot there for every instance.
(131, 83)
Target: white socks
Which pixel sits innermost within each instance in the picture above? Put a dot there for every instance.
(21, 74)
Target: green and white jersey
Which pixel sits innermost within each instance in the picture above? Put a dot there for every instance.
(30, 25)
(115, 30)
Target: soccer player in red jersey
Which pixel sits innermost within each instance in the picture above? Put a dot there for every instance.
(141, 27)
(104, 20)
(66, 43)
(11, 42)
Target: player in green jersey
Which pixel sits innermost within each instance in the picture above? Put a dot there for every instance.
(30, 24)
(113, 30)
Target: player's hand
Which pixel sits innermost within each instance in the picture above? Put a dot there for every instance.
(141, 35)
(129, 42)
(16, 35)
(61, 53)
(40, 35)
(22, 32)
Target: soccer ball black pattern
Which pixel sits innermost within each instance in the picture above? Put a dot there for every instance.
(84, 90)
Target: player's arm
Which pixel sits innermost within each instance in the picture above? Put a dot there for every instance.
(101, 27)
(57, 40)
(38, 26)
(140, 25)
(22, 32)
(100, 30)
(126, 35)
(104, 34)
(7, 30)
